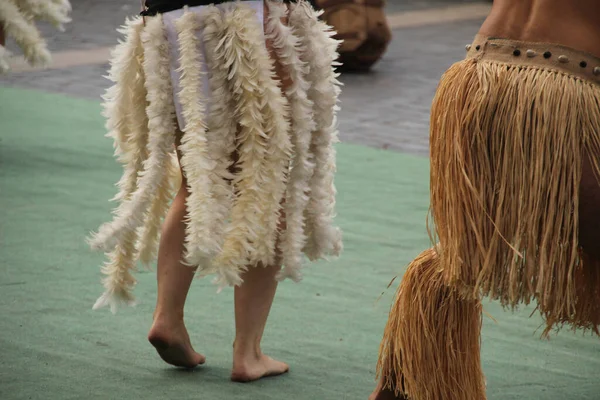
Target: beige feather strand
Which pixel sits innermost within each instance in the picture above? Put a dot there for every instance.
(288, 48)
(4, 56)
(264, 146)
(150, 232)
(55, 12)
(129, 130)
(136, 141)
(321, 53)
(119, 281)
(221, 134)
(276, 111)
(17, 26)
(200, 245)
(118, 98)
(161, 111)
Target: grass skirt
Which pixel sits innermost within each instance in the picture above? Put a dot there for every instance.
(510, 127)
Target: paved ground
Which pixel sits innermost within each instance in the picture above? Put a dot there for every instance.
(388, 107)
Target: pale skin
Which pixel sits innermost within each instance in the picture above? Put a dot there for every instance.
(575, 24)
(252, 299)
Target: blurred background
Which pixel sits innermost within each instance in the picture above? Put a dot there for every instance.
(427, 37)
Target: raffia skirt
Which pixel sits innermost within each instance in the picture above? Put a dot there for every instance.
(207, 71)
(512, 127)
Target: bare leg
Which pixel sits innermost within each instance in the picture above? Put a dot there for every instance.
(253, 301)
(168, 333)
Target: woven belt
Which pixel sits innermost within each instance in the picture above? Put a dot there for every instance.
(543, 55)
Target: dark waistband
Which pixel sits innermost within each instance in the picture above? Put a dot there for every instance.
(153, 7)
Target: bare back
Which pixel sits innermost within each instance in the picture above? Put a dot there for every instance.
(572, 23)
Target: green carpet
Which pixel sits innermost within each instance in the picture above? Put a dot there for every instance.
(56, 174)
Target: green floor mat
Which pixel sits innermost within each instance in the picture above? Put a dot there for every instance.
(56, 175)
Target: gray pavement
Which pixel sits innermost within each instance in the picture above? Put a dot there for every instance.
(95, 21)
(387, 108)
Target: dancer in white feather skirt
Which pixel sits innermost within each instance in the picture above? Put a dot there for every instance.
(247, 94)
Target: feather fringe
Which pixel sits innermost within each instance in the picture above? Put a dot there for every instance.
(200, 245)
(263, 142)
(24, 32)
(150, 232)
(119, 280)
(288, 48)
(4, 56)
(222, 130)
(505, 208)
(321, 52)
(233, 219)
(56, 12)
(127, 125)
(118, 100)
(131, 213)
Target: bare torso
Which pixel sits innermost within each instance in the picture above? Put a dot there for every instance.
(572, 23)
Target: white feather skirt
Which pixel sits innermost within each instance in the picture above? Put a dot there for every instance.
(207, 71)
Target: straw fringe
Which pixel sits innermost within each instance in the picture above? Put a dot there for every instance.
(320, 54)
(505, 208)
(200, 244)
(431, 344)
(586, 314)
(222, 130)
(288, 48)
(23, 30)
(264, 146)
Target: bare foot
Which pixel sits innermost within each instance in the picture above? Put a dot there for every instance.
(248, 370)
(172, 342)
